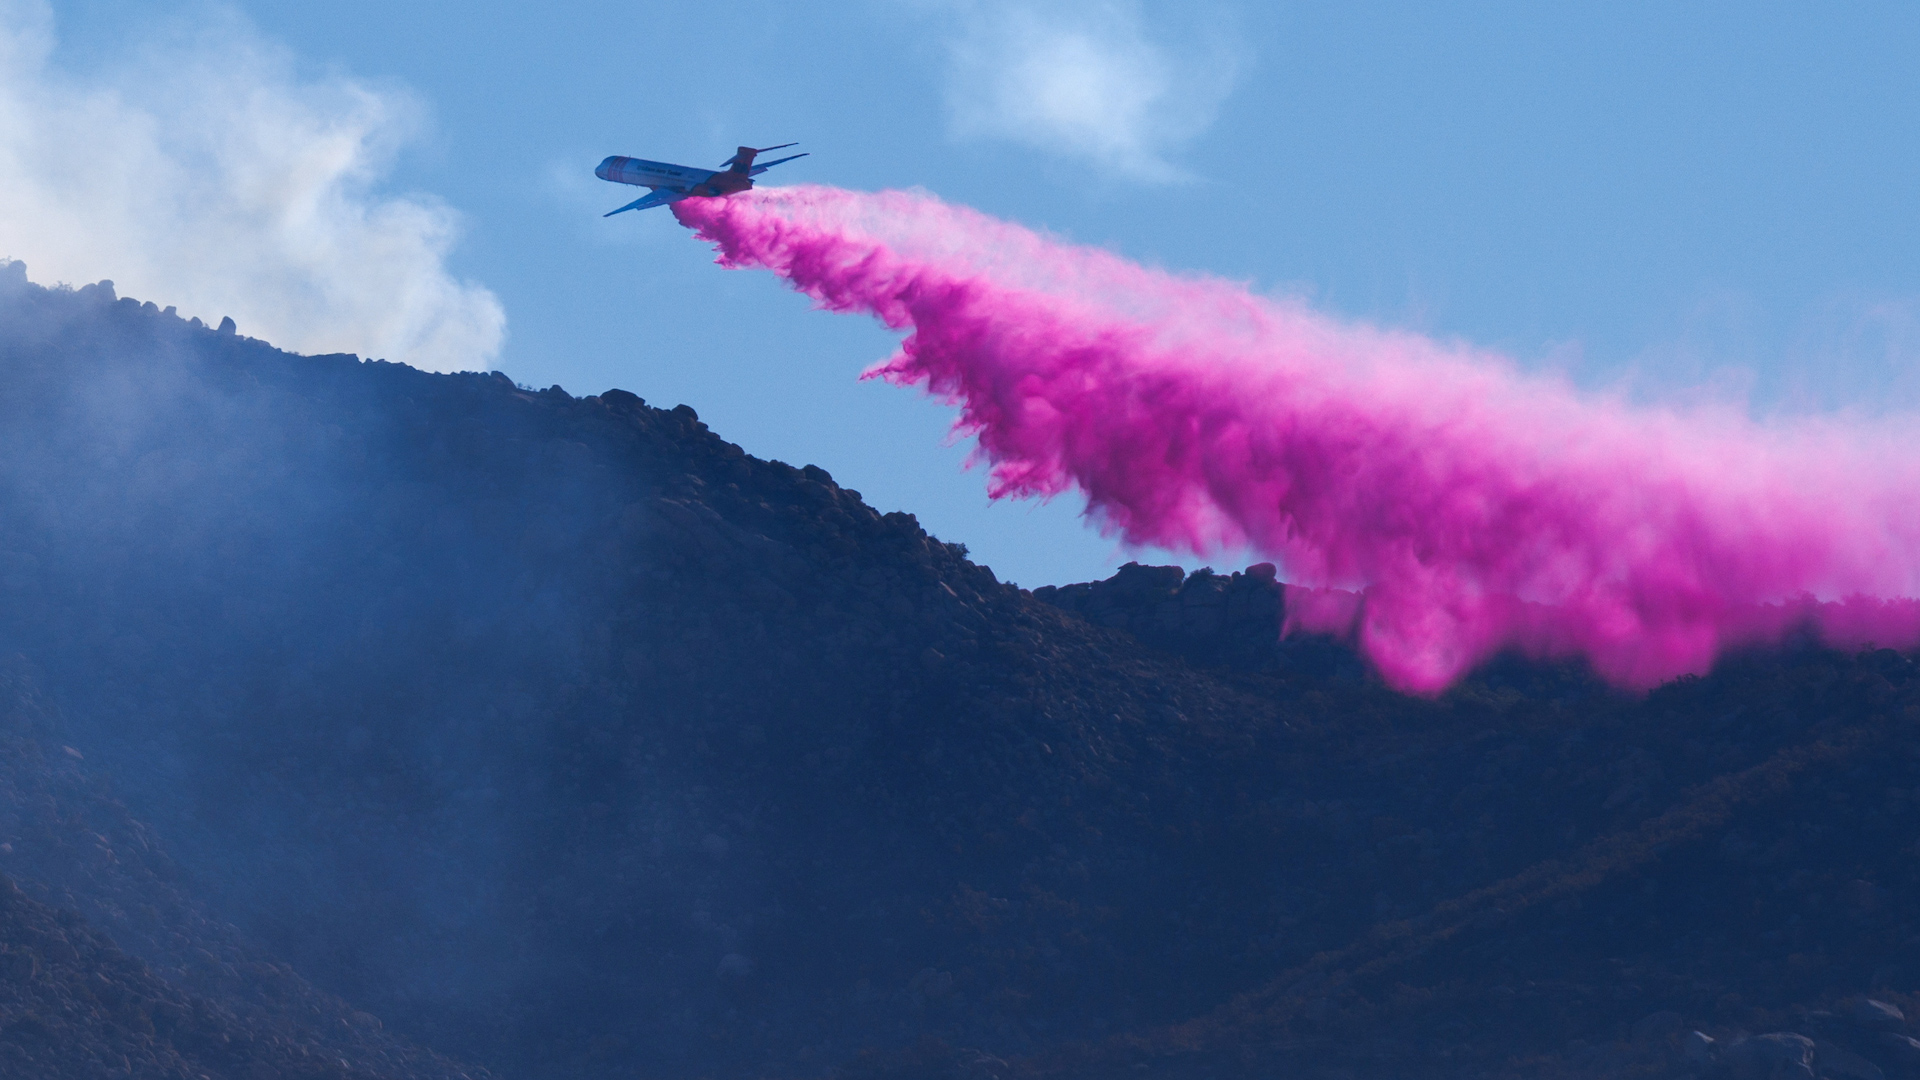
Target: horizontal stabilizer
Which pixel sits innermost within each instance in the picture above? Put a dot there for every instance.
(656, 197)
(758, 169)
(744, 156)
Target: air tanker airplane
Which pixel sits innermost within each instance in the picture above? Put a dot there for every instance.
(671, 183)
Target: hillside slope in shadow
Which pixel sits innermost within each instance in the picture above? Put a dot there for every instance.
(110, 968)
(567, 738)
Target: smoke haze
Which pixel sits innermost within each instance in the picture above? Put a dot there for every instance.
(206, 172)
(1429, 498)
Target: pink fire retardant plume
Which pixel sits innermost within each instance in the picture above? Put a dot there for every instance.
(1428, 498)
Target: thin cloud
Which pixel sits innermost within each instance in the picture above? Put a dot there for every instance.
(206, 174)
(1089, 80)
(1847, 354)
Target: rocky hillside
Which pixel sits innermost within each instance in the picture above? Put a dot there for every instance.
(195, 998)
(566, 738)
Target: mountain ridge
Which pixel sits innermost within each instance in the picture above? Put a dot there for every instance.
(568, 738)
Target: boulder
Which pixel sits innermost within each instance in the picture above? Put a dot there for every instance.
(1779, 1055)
(1901, 1049)
(1836, 1063)
(1878, 1015)
(1697, 1048)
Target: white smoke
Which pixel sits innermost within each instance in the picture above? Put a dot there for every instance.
(1085, 78)
(205, 173)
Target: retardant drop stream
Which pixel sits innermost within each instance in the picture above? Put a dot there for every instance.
(1430, 499)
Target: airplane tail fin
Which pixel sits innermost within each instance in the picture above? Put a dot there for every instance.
(742, 159)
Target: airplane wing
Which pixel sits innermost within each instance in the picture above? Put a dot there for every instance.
(657, 197)
(758, 169)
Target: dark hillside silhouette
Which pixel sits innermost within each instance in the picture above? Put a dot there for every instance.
(205, 1001)
(565, 733)
(568, 739)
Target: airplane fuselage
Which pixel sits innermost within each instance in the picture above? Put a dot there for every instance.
(659, 174)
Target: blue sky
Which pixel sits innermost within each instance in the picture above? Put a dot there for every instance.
(1669, 201)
